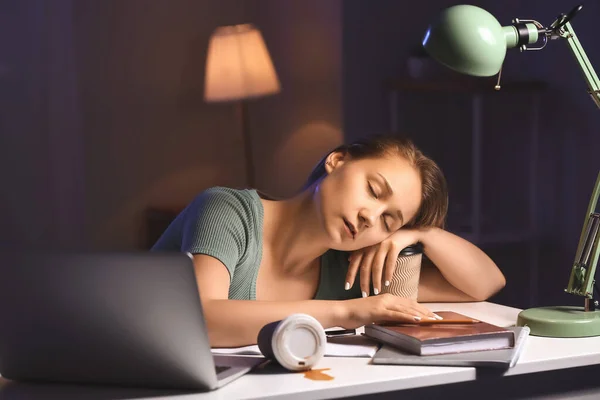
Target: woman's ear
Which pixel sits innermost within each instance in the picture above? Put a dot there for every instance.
(334, 160)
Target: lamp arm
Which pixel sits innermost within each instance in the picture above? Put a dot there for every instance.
(581, 281)
(591, 78)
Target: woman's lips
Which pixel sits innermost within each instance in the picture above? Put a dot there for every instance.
(348, 228)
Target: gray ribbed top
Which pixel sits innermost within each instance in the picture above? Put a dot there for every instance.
(227, 224)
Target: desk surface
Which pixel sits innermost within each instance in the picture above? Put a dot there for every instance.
(356, 376)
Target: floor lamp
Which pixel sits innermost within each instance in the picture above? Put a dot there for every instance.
(239, 68)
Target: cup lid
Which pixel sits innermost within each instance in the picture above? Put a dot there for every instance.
(299, 342)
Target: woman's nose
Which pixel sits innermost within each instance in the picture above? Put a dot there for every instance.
(369, 220)
(369, 216)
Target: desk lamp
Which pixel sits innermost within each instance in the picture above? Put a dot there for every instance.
(470, 40)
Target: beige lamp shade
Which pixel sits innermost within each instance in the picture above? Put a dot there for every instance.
(238, 65)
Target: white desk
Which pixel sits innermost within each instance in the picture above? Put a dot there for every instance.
(356, 376)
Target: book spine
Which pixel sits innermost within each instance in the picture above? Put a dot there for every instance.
(390, 340)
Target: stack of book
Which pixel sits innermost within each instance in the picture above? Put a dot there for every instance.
(456, 340)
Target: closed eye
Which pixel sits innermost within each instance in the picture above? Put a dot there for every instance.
(372, 191)
(385, 223)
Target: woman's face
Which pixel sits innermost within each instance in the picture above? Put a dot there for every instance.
(362, 202)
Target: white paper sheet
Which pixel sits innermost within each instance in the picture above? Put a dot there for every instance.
(345, 346)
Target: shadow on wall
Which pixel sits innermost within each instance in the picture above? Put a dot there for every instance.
(170, 192)
(127, 226)
(299, 153)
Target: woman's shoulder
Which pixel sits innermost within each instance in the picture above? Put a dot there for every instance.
(224, 201)
(227, 192)
(227, 196)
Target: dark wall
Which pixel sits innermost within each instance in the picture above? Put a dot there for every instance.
(101, 116)
(102, 111)
(378, 39)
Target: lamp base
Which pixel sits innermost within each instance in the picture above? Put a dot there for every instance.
(560, 321)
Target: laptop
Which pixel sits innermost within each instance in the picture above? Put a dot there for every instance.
(125, 319)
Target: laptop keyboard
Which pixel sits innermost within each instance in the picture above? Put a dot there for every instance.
(220, 368)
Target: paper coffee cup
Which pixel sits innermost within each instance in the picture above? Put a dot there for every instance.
(296, 342)
(405, 281)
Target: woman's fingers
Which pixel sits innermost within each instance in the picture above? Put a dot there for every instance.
(423, 312)
(355, 260)
(412, 307)
(398, 316)
(365, 272)
(387, 307)
(377, 268)
(391, 262)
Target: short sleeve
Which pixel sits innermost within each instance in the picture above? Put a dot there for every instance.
(217, 223)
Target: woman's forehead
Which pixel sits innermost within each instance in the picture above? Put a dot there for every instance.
(392, 165)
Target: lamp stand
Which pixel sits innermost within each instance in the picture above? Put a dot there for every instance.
(242, 109)
(560, 321)
(568, 321)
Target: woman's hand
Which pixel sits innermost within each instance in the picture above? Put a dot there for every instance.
(379, 261)
(384, 308)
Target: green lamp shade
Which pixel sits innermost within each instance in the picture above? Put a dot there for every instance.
(467, 39)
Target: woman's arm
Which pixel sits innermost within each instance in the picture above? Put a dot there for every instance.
(461, 265)
(463, 273)
(233, 323)
(433, 287)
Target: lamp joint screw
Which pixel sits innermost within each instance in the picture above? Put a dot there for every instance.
(515, 21)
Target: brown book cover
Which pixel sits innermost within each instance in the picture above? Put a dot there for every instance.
(455, 333)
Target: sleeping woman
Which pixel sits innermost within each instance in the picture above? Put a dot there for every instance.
(328, 250)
